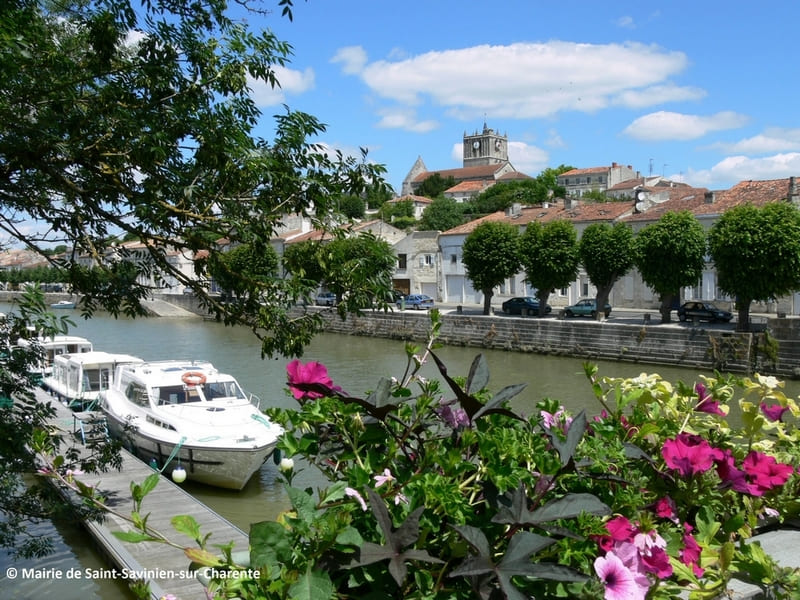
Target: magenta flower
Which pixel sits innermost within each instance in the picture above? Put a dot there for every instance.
(730, 474)
(689, 454)
(309, 380)
(653, 555)
(666, 508)
(621, 529)
(690, 554)
(764, 472)
(773, 412)
(620, 582)
(705, 402)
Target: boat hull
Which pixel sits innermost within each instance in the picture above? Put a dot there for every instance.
(218, 466)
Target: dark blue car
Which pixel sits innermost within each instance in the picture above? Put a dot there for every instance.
(523, 305)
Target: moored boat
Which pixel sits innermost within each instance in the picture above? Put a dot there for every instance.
(188, 414)
(63, 304)
(55, 346)
(79, 379)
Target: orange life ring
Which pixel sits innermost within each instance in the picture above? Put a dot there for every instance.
(193, 378)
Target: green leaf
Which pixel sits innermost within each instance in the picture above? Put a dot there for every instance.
(134, 537)
(312, 585)
(187, 525)
(303, 504)
(269, 545)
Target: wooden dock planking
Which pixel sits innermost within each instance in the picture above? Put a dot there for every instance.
(166, 568)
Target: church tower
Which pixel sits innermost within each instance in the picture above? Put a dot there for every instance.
(485, 148)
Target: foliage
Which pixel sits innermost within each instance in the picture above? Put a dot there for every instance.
(25, 422)
(606, 252)
(442, 214)
(244, 267)
(670, 254)
(352, 207)
(656, 497)
(490, 255)
(149, 137)
(502, 195)
(434, 185)
(756, 252)
(549, 255)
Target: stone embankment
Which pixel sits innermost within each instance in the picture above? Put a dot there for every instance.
(773, 350)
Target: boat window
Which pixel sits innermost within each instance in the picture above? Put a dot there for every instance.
(176, 394)
(222, 389)
(137, 394)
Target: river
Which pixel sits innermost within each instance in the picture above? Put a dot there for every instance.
(354, 364)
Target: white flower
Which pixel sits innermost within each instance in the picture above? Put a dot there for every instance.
(353, 493)
(287, 464)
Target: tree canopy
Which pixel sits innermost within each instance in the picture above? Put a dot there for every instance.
(607, 253)
(670, 254)
(442, 214)
(756, 252)
(490, 255)
(127, 120)
(549, 255)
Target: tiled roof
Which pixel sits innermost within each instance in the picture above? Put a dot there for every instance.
(479, 172)
(468, 186)
(414, 198)
(586, 171)
(757, 193)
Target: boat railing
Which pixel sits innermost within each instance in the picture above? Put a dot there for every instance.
(255, 401)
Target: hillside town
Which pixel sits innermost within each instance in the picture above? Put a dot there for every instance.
(430, 262)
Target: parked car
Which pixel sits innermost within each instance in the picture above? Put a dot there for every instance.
(325, 299)
(586, 308)
(703, 311)
(416, 301)
(528, 304)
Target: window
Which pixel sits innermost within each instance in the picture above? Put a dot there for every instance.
(585, 288)
(429, 259)
(454, 259)
(402, 261)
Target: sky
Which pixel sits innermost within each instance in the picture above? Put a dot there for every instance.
(702, 92)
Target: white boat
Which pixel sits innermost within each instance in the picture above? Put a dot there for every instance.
(55, 346)
(63, 304)
(189, 414)
(79, 379)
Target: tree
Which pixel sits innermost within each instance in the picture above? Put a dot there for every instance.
(670, 254)
(756, 252)
(549, 255)
(442, 214)
(352, 207)
(244, 266)
(490, 255)
(434, 185)
(607, 253)
(105, 135)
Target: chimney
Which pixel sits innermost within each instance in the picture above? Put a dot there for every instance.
(613, 165)
(794, 191)
(709, 197)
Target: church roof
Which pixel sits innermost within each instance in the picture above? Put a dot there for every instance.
(464, 173)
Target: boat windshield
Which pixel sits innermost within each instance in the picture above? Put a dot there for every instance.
(212, 390)
(222, 389)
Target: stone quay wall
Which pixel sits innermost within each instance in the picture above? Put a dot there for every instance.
(685, 346)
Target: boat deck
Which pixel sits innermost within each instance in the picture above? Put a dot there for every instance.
(165, 568)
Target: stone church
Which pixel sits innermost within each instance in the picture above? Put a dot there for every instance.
(485, 163)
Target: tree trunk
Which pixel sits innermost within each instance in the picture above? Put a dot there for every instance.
(666, 307)
(743, 315)
(542, 296)
(601, 299)
(487, 301)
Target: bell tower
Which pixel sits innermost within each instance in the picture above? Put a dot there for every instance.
(485, 148)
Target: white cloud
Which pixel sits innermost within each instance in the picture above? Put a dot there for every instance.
(742, 168)
(626, 22)
(291, 81)
(405, 119)
(773, 139)
(352, 58)
(526, 80)
(663, 125)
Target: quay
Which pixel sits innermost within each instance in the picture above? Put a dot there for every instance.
(164, 568)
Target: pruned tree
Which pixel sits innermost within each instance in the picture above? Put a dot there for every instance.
(491, 255)
(670, 254)
(442, 214)
(756, 252)
(549, 255)
(607, 253)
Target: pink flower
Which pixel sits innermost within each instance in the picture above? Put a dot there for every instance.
(353, 493)
(666, 508)
(730, 474)
(764, 472)
(456, 419)
(621, 529)
(690, 555)
(620, 582)
(773, 412)
(302, 377)
(689, 454)
(385, 478)
(705, 403)
(653, 555)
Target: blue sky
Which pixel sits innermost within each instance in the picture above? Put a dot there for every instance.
(704, 92)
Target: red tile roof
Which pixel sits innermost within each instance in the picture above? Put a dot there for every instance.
(479, 172)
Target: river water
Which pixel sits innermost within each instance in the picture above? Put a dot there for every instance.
(354, 363)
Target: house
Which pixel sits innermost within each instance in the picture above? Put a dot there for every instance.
(578, 182)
